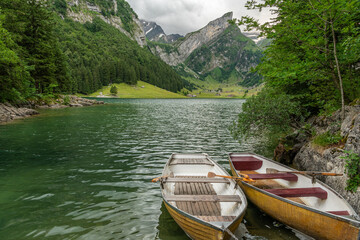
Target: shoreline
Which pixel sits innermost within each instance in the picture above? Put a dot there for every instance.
(155, 97)
(10, 112)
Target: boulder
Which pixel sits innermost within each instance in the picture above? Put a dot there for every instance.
(57, 106)
(86, 103)
(9, 112)
(75, 105)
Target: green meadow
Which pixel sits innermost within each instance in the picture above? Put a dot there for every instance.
(140, 90)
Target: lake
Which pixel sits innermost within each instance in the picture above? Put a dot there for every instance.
(85, 173)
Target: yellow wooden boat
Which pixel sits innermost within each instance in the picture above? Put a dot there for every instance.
(294, 199)
(204, 207)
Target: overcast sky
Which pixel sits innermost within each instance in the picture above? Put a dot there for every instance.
(184, 16)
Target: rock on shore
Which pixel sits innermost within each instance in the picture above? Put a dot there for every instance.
(312, 158)
(10, 112)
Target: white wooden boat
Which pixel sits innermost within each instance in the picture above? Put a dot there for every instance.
(204, 207)
(312, 208)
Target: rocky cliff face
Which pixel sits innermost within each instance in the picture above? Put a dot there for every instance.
(155, 33)
(83, 11)
(229, 55)
(329, 159)
(193, 40)
(219, 49)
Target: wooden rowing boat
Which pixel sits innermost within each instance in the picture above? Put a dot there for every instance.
(312, 208)
(204, 207)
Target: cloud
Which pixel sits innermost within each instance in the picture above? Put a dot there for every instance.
(184, 16)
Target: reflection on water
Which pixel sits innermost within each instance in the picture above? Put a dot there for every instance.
(84, 173)
(167, 228)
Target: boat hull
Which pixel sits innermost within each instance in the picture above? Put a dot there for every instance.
(204, 207)
(307, 220)
(197, 229)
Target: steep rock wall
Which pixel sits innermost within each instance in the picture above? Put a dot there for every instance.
(88, 11)
(193, 40)
(312, 158)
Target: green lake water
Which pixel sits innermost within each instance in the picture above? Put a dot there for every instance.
(85, 173)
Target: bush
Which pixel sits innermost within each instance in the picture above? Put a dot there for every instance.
(352, 168)
(269, 111)
(327, 139)
(268, 117)
(113, 90)
(66, 100)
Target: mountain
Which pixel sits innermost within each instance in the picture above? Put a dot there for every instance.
(155, 33)
(102, 44)
(253, 36)
(262, 42)
(117, 13)
(219, 50)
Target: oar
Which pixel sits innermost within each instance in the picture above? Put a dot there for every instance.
(311, 173)
(246, 179)
(162, 177)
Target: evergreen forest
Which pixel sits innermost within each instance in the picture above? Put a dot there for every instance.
(43, 52)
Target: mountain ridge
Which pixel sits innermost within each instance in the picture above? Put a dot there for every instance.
(218, 50)
(154, 32)
(185, 46)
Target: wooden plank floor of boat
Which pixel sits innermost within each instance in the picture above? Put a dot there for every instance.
(270, 184)
(207, 211)
(191, 161)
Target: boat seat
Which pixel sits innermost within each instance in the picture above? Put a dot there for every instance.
(203, 198)
(246, 163)
(340, 213)
(191, 161)
(286, 176)
(217, 218)
(196, 180)
(299, 192)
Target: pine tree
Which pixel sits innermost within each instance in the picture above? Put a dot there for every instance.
(14, 79)
(113, 90)
(39, 42)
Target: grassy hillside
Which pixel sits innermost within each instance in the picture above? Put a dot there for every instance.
(210, 88)
(140, 90)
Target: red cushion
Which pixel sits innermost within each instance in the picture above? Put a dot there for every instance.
(299, 192)
(246, 163)
(340, 213)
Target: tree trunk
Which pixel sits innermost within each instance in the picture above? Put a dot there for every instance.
(339, 73)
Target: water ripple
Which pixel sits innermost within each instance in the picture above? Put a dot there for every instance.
(86, 173)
